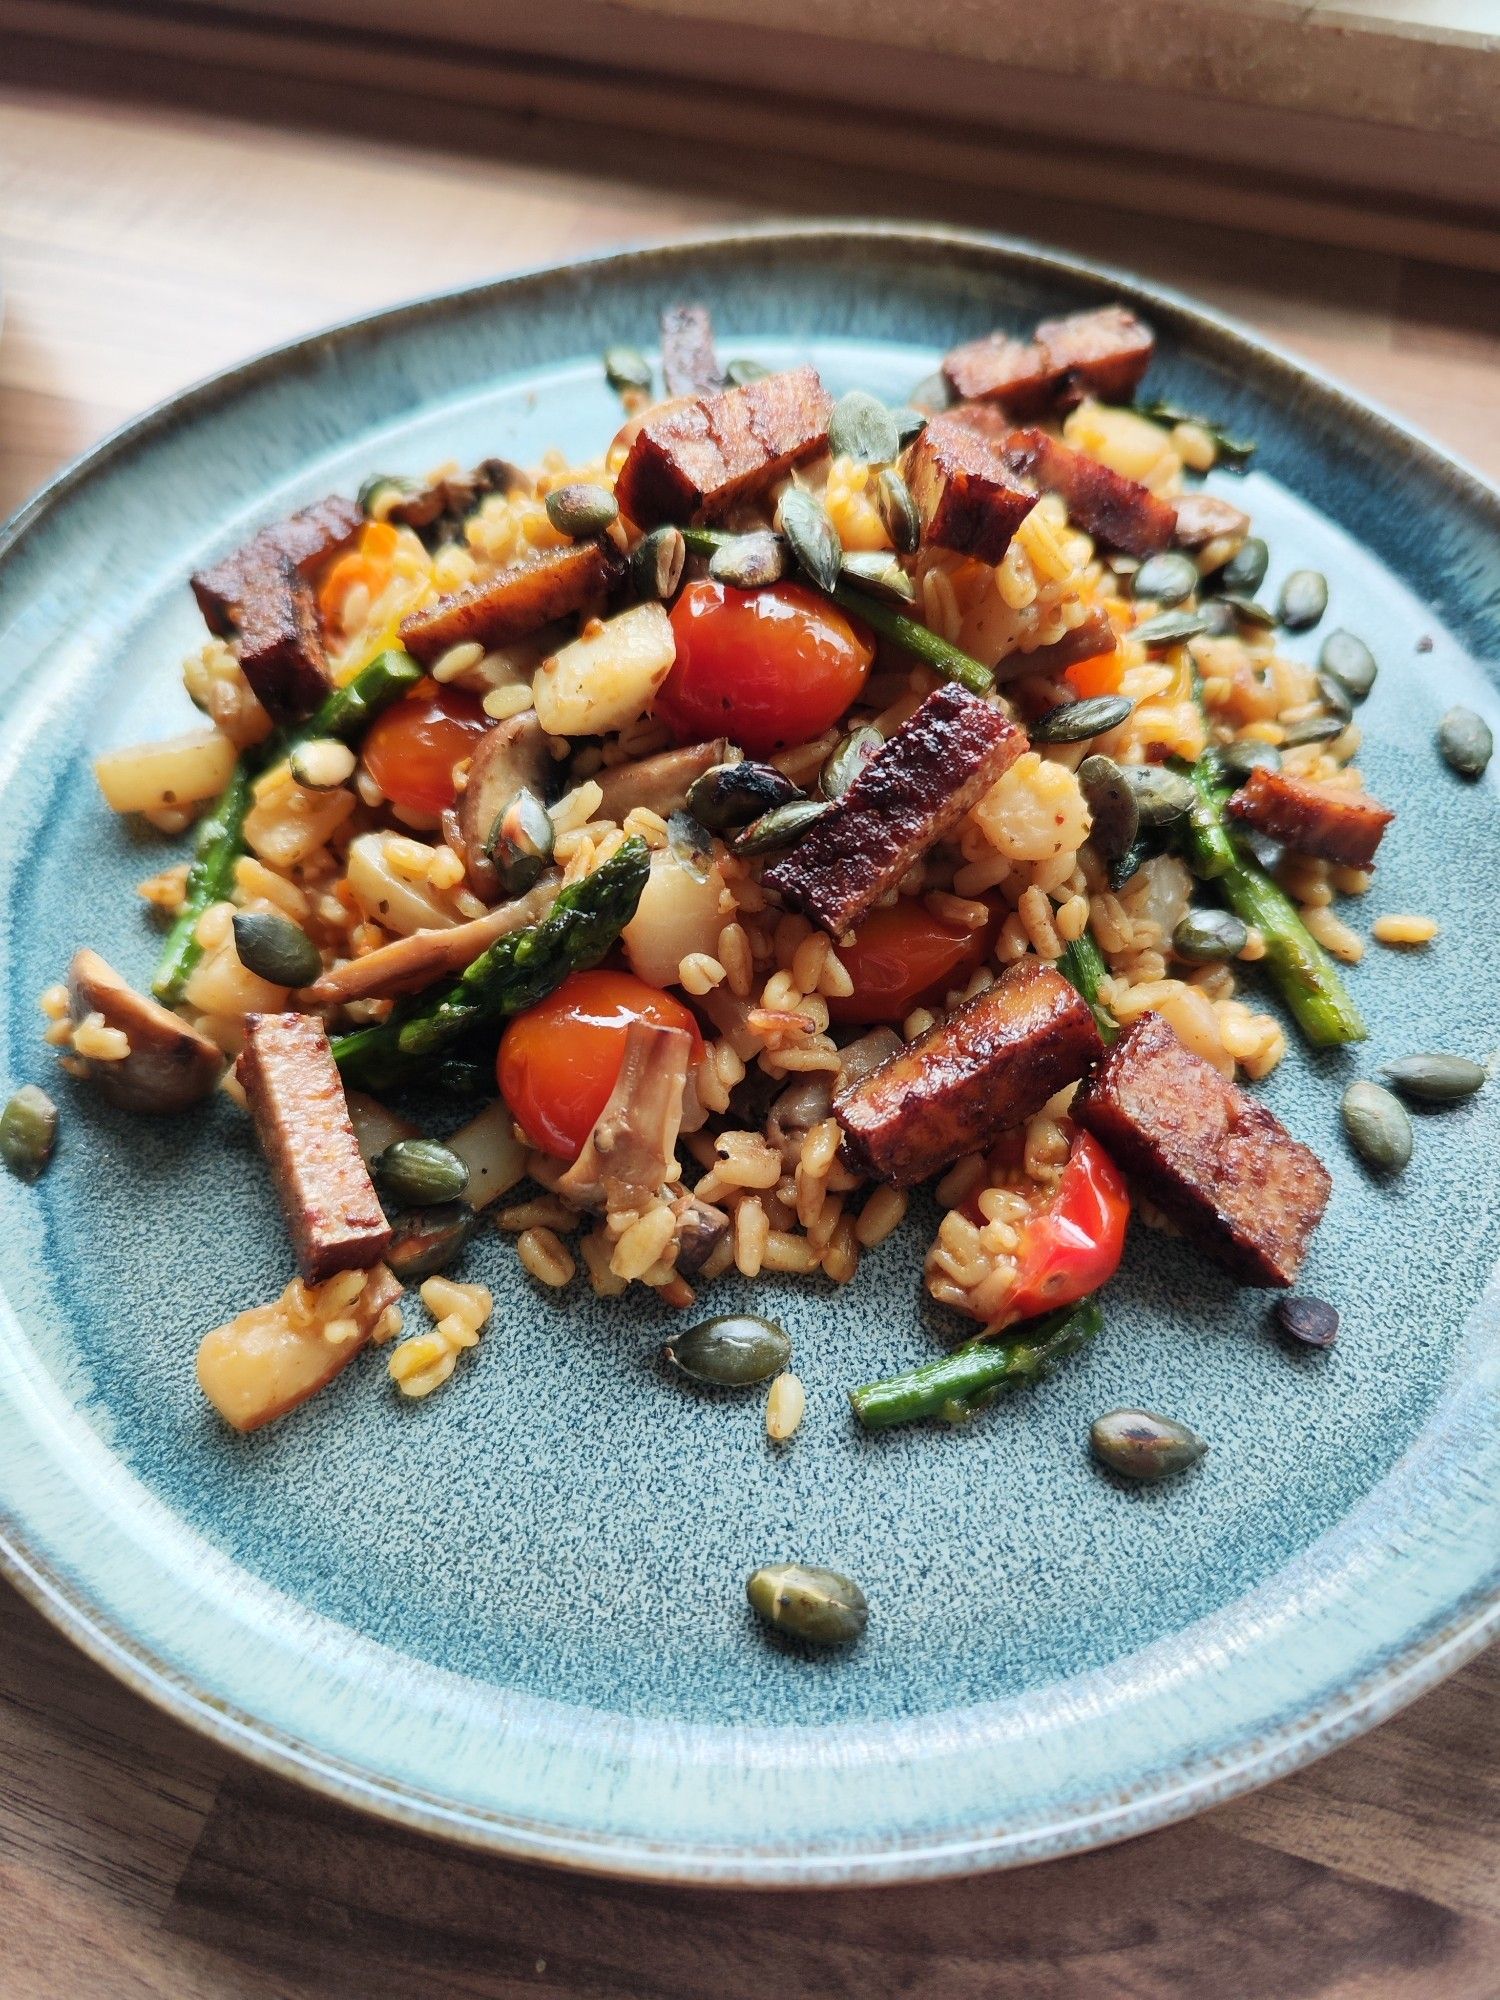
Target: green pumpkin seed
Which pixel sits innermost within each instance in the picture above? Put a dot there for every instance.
(1266, 853)
(1112, 806)
(818, 1605)
(731, 795)
(656, 566)
(1335, 697)
(273, 947)
(627, 368)
(1245, 571)
(738, 373)
(520, 842)
(1436, 1078)
(1316, 729)
(1312, 1322)
(419, 1173)
(691, 844)
(1129, 864)
(898, 511)
(1303, 600)
(1349, 660)
(847, 759)
(862, 428)
(1161, 796)
(803, 519)
(782, 827)
(1076, 722)
(378, 495)
(1378, 1127)
(909, 423)
(881, 575)
(1168, 578)
(1219, 621)
(581, 509)
(749, 562)
(1209, 937)
(1240, 759)
(28, 1132)
(424, 1240)
(1170, 628)
(731, 1353)
(1466, 742)
(1139, 1444)
(1247, 611)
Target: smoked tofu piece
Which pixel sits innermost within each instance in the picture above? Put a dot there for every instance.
(966, 496)
(518, 600)
(305, 540)
(297, 1101)
(1345, 827)
(1104, 504)
(1225, 1169)
(1103, 353)
(689, 365)
(992, 1064)
(914, 790)
(694, 462)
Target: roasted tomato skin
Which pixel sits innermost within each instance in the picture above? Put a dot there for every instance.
(558, 1061)
(1072, 1243)
(764, 667)
(411, 749)
(901, 956)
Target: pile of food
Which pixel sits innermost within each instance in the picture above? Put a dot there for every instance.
(805, 802)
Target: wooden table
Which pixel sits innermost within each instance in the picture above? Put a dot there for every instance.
(145, 244)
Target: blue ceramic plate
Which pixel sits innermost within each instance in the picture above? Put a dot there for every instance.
(514, 1613)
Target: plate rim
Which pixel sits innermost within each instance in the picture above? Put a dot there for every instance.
(1402, 1676)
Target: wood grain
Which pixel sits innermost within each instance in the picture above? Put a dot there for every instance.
(142, 245)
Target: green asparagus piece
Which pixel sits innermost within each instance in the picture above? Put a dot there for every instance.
(219, 844)
(961, 1382)
(346, 711)
(950, 661)
(1210, 851)
(513, 974)
(1082, 963)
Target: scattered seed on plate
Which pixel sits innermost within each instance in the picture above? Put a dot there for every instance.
(420, 1173)
(818, 1605)
(1466, 742)
(731, 795)
(847, 759)
(1167, 578)
(1315, 729)
(581, 509)
(627, 368)
(1245, 571)
(1248, 610)
(1076, 722)
(782, 827)
(805, 522)
(731, 1352)
(28, 1132)
(1312, 1322)
(737, 373)
(274, 948)
(909, 423)
(425, 1240)
(1170, 628)
(1112, 806)
(1241, 758)
(1404, 930)
(1209, 937)
(657, 564)
(862, 428)
(1303, 600)
(1350, 660)
(1335, 697)
(749, 562)
(878, 571)
(1378, 1127)
(1139, 1444)
(784, 1407)
(1435, 1078)
(1161, 796)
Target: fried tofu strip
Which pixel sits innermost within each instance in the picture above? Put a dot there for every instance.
(1345, 827)
(966, 495)
(1104, 504)
(693, 463)
(992, 1064)
(914, 791)
(1223, 1167)
(520, 599)
(1103, 353)
(296, 1098)
(689, 365)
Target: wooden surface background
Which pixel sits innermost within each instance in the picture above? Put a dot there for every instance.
(147, 237)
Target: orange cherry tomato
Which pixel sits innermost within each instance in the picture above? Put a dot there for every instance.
(1101, 674)
(901, 956)
(763, 667)
(412, 748)
(559, 1061)
(1073, 1243)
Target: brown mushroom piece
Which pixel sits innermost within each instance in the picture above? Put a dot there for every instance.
(170, 1065)
(628, 1155)
(509, 759)
(408, 964)
(661, 783)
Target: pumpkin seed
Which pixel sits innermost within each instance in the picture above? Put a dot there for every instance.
(1266, 852)
(881, 575)
(782, 827)
(738, 373)
(419, 1173)
(1335, 697)
(656, 566)
(273, 947)
(1350, 660)
(1240, 759)
(898, 511)
(581, 509)
(1436, 1078)
(1245, 571)
(627, 368)
(1167, 578)
(1378, 1127)
(1161, 796)
(1209, 937)
(749, 562)
(1076, 722)
(862, 428)
(1466, 742)
(691, 844)
(520, 842)
(731, 795)
(1313, 1322)
(321, 764)
(818, 1605)
(847, 759)
(1139, 1444)
(1303, 600)
(909, 423)
(933, 393)
(1112, 806)
(1170, 628)
(424, 1240)
(732, 1352)
(378, 495)
(803, 519)
(1219, 621)
(1316, 729)
(28, 1132)
(1247, 611)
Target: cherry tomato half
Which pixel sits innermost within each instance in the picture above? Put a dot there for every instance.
(763, 667)
(1073, 1244)
(559, 1060)
(901, 956)
(411, 749)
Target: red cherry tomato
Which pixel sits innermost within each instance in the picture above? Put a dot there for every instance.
(763, 667)
(412, 748)
(558, 1061)
(901, 956)
(1072, 1245)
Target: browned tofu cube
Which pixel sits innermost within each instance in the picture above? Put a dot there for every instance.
(520, 599)
(1102, 353)
(1225, 1169)
(1106, 505)
(992, 1064)
(1345, 827)
(694, 463)
(305, 540)
(966, 496)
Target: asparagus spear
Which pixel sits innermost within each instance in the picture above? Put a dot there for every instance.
(1082, 963)
(346, 711)
(964, 1381)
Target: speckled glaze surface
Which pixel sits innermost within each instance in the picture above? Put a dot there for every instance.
(515, 1613)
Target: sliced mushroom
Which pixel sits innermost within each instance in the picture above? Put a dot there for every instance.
(170, 1065)
(512, 757)
(407, 964)
(627, 1156)
(701, 1228)
(805, 1102)
(659, 783)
